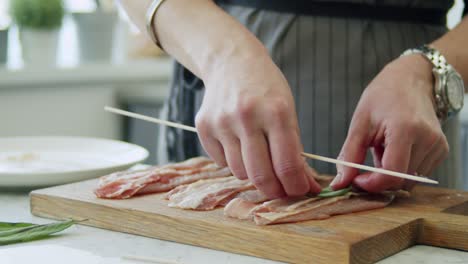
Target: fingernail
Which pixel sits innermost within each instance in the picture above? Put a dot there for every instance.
(337, 179)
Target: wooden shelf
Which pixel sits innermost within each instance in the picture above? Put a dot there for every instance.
(157, 70)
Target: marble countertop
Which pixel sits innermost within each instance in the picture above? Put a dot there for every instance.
(93, 245)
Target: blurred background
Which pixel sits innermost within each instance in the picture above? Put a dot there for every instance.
(62, 61)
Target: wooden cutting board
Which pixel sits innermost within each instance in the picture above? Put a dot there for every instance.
(432, 216)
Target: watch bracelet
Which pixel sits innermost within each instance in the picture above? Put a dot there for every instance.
(440, 65)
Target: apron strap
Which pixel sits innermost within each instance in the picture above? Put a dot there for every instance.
(417, 15)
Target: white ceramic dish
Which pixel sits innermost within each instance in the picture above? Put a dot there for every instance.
(46, 161)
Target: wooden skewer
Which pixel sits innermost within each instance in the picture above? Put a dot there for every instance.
(307, 155)
(149, 119)
(369, 168)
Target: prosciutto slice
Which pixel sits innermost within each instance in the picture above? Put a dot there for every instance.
(246, 209)
(253, 196)
(123, 185)
(303, 208)
(240, 209)
(206, 194)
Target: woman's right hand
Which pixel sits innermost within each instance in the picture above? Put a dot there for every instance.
(248, 121)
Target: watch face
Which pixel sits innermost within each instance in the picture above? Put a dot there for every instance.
(455, 90)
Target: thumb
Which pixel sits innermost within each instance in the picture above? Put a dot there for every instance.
(354, 150)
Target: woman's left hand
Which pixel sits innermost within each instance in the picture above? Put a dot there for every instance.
(395, 117)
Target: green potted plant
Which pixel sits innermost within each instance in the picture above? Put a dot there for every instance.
(97, 32)
(4, 26)
(39, 22)
(3, 43)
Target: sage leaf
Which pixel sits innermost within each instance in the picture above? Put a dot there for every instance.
(327, 189)
(7, 226)
(34, 232)
(12, 231)
(328, 192)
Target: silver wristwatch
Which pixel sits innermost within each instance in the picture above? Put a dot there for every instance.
(448, 88)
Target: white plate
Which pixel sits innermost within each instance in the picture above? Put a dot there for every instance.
(45, 161)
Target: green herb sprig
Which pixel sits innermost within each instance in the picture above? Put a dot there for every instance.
(328, 192)
(7, 226)
(22, 232)
(37, 14)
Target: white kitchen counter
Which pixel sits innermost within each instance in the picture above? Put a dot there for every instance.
(108, 244)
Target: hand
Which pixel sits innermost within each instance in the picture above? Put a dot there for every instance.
(247, 121)
(247, 118)
(396, 118)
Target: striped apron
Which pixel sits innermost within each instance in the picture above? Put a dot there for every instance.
(328, 62)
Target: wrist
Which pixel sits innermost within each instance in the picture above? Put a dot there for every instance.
(211, 38)
(448, 84)
(421, 70)
(205, 39)
(236, 53)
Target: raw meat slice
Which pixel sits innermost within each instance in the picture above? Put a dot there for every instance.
(193, 163)
(206, 194)
(167, 183)
(272, 215)
(253, 196)
(122, 185)
(244, 209)
(240, 209)
(325, 208)
(299, 209)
